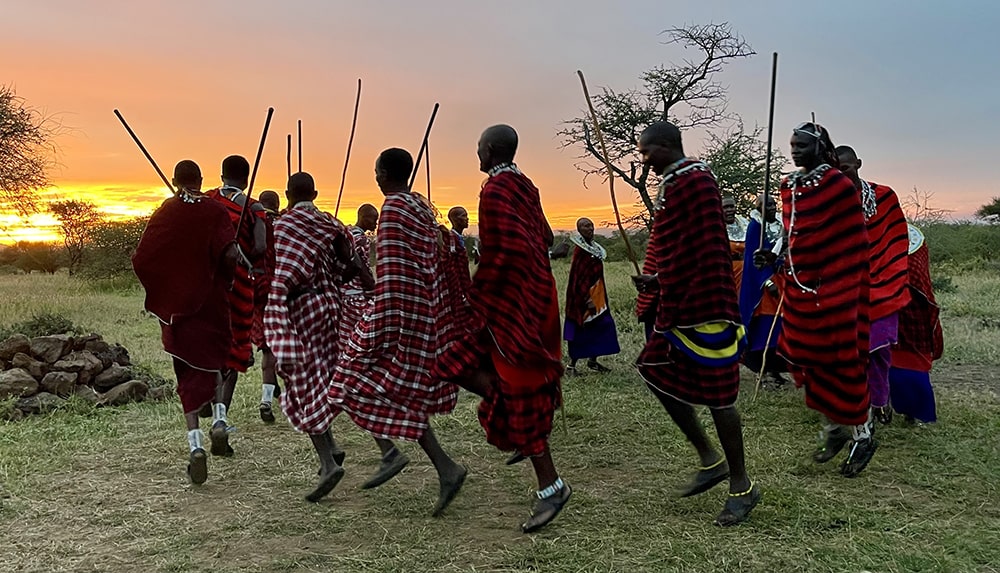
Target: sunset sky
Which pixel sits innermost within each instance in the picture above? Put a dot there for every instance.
(913, 86)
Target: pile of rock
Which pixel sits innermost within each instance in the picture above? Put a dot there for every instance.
(42, 373)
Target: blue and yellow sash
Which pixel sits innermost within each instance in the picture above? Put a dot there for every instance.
(713, 344)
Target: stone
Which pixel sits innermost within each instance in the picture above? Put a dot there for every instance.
(17, 383)
(14, 344)
(40, 403)
(109, 355)
(160, 393)
(34, 367)
(96, 346)
(133, 391)
(112, 377)
(50, 349)
(87, 393)
(83, 362)
(80, 342)
(59, 383)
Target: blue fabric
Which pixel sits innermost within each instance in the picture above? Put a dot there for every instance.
(709, 349)
(758, 330)
(753, 278)
(598, 337)
(911, 394)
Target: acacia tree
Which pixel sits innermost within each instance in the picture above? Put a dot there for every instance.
(989, 211)
(739, 162)
(687, 94)
(919, 211)
(76, 220)
(27, 152)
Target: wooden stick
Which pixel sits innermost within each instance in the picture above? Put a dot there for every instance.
(611, 174)
(767, 164)
(256, 164)
(770, 333)
(288, 155)
(423, 146)
(427, 153)
(300, 146)
(350, 142)
(142, 148)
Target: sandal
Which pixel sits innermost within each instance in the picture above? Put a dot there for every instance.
(546, 509)
(220, 440)
(706, 478)
(833, 442)
(197, 469)
(392, 464)
(857, 459)
(598, 367)
(326, 484)
(448, 493)
(738, 507)
(515, 458)
(266, 413)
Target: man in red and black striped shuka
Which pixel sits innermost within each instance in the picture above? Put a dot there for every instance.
(383, 378)
(825, 328)
(888, 243)
(185, 262)
(514, 360)
(692, 356)
(314, 255)
(262, 274)
(251, 238)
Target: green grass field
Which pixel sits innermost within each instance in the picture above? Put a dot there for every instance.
(105, 490)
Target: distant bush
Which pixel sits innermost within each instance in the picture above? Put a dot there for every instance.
(963, 246)
(43, 324)
(109, 251)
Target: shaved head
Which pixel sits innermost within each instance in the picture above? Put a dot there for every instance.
(367, 217)
(727, 200)
(187, 174)
(270, 200)
(585, 227)
(846, 152)
(497, 145)
(301, 187)
(367, 209)
(459, 218)
(662, 133)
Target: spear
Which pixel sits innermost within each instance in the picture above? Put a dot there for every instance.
(300, 146)
(350, 142)
(288, 154)
(142, 148)
(611, 175)
(423, 146)
(427, 152)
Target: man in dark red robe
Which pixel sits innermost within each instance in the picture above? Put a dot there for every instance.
(692, 356)
(825, 284)
(262, 274)
(251, 238)
(185, 262)
(315, 256)
(590, 329)
(513, 361)
(888, 242)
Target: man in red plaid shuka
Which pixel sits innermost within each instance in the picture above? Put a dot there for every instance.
(251, 238)
(692, 355)
(383, 377)
(185, 262)
(358, 292)
(313, 255)
(515, 361)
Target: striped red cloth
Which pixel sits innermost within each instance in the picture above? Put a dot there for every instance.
(355, 299)
(383, 377)
(888, 240)
(241, 302)
(180, 262)
(694, 269)
(825, 315)
(263, 274)
(920, 338)
(304, 302)
(645, 305)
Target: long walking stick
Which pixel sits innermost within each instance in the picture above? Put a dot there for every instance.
(256, 165)
(142, 148)
(767, 343)
(288, 154)
(611, 175)
(350, 142)
(767, 164)
(300, 146)
(423, 147)
(427, 153)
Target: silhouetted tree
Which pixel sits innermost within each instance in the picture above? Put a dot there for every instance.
(76, 220)
(27, 152)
